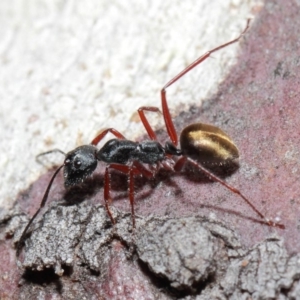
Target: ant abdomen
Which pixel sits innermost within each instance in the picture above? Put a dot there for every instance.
(208, 144)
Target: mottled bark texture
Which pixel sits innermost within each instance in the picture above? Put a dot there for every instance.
(73, 252)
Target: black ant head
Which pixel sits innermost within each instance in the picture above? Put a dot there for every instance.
(79, 164)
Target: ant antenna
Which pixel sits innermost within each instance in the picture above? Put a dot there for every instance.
(49, 152)
(41, 206)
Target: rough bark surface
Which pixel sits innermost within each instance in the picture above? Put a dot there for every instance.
(73, 252)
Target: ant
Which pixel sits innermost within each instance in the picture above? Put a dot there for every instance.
(199, 143)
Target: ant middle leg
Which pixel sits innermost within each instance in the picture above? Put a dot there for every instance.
(132, 170)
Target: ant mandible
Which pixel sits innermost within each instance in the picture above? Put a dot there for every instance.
(198, 143)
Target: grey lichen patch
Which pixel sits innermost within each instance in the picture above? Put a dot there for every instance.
(197, 258)
(53, 242)
(264, 272)
(227, 235)
(11, 220)
(182, 251)
(94, 242)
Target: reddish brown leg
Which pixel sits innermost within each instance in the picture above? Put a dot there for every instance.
(133, 170)
(127, 170)
(137, 169)
(107, 198)
(179, 165)
(131, 194)
(100, 136)
(166, 112)
(143, 118)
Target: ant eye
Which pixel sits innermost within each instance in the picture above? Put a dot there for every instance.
(77, 163)
(67, 161)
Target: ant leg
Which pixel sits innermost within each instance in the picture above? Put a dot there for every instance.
(133, 170)
(179, 165)
(41, 206)
(138, 169)
(131, 194)
(144, 171)
(107, 198)
(101, 135)
(166, 112)
(48, 152)
(145, 122)
(124, 169)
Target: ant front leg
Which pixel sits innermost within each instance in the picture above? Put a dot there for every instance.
(132, 170)
(101, 135)
(94, 142)
(107, 198)
(107, 186)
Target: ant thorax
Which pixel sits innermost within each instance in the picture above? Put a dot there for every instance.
(121, 151)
